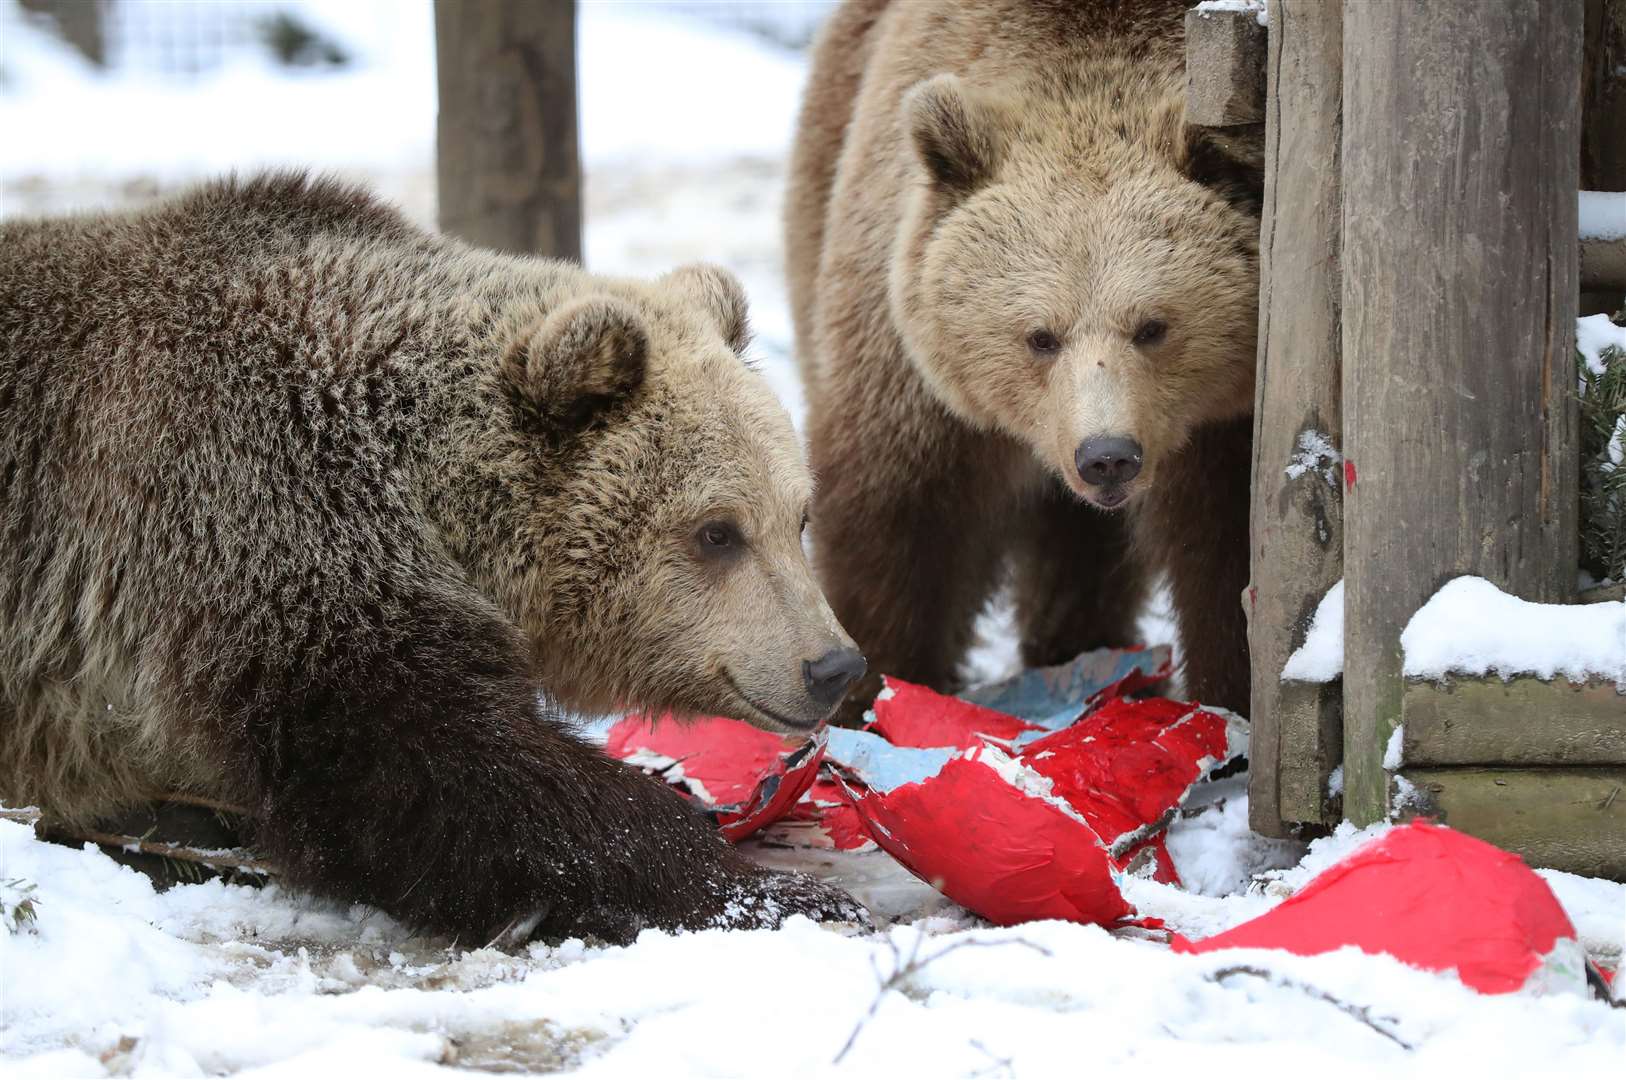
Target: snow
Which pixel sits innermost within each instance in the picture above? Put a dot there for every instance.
(1315, 451)
(734, 96)
(1392, 750)
(1603, 215)
(219, 980)
(1321, 658)
(1593, 335)
(1470, 627)
(1261, 13)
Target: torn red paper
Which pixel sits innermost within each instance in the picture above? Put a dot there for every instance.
(910, 715)
(747, 777)
(1431, 897)
(977, 836)
(1046, 833)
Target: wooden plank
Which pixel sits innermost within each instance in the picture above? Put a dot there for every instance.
(1225, 68)
(1603, 262)
(1519, 722)
(507, 160)
(1459, 300)
(1296, 520)
(1565, 819)
(1599, 594)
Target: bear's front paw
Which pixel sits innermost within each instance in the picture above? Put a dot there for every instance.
(767, 899)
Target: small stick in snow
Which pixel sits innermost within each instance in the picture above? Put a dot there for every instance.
(903, 970)
(1359, 1012)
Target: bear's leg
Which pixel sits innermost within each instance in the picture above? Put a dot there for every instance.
(1079, 584)
(909, 533)
(420, 775)
(1195, 524)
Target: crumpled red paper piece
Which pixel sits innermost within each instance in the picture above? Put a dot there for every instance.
(747, 777)
(994, 848)
(911, 715)
(1429, 896)
(1046, 833)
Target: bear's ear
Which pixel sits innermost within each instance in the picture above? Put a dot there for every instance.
(957, 135)
(718, 293)
(584, 358)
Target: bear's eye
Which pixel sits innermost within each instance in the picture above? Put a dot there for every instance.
(803, 529)
(1044, 343)
(719, 538)
(1151, 332)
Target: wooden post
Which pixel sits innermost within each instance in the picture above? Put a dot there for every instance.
(1459, 299)
(507, 160)
(1297, 512)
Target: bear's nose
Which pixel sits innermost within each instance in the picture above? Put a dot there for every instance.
(828, 677)
(1108, 460)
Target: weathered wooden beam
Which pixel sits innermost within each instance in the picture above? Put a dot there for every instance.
(1599, 594)
(1566, 819)
(1297, 510)
(507, 160)
(1603, 261)
(1520, 722)
(1225, 68)
(1459, 301)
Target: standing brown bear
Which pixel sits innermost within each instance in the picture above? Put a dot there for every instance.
(304, 508)
(1026, 304)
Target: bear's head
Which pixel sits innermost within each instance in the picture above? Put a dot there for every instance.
(646, 497)
(1078, 271)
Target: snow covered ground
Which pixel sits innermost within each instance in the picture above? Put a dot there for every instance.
(111, 978)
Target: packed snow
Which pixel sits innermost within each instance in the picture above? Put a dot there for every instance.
(101, 975)
(1470, 627)
(1594, 334)
(1315, 451)
(220, 979)
(1603, 215)
(1261, 13)
(1321, 658)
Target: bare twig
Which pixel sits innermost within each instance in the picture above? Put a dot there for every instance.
(1358, 1012)
(220, 860)
(903, 969)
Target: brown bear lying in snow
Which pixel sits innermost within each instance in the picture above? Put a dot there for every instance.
(303, 508)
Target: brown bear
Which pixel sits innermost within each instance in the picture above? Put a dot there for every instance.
(1025, 297)
(309, 510)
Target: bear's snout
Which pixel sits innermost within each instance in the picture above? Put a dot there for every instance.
(1108, 461)
(828, 678)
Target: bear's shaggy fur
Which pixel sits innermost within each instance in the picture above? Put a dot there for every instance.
(303, 508)
(1003, 241)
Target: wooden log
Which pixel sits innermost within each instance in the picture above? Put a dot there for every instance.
(1519, 722)
(507, 160)
(1225, 68)
(1459, 301)
(1297, 510)
(1565, 819)
(1603, 261)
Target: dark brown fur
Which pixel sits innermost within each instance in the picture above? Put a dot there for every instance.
(304, 508)
(942, 455)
